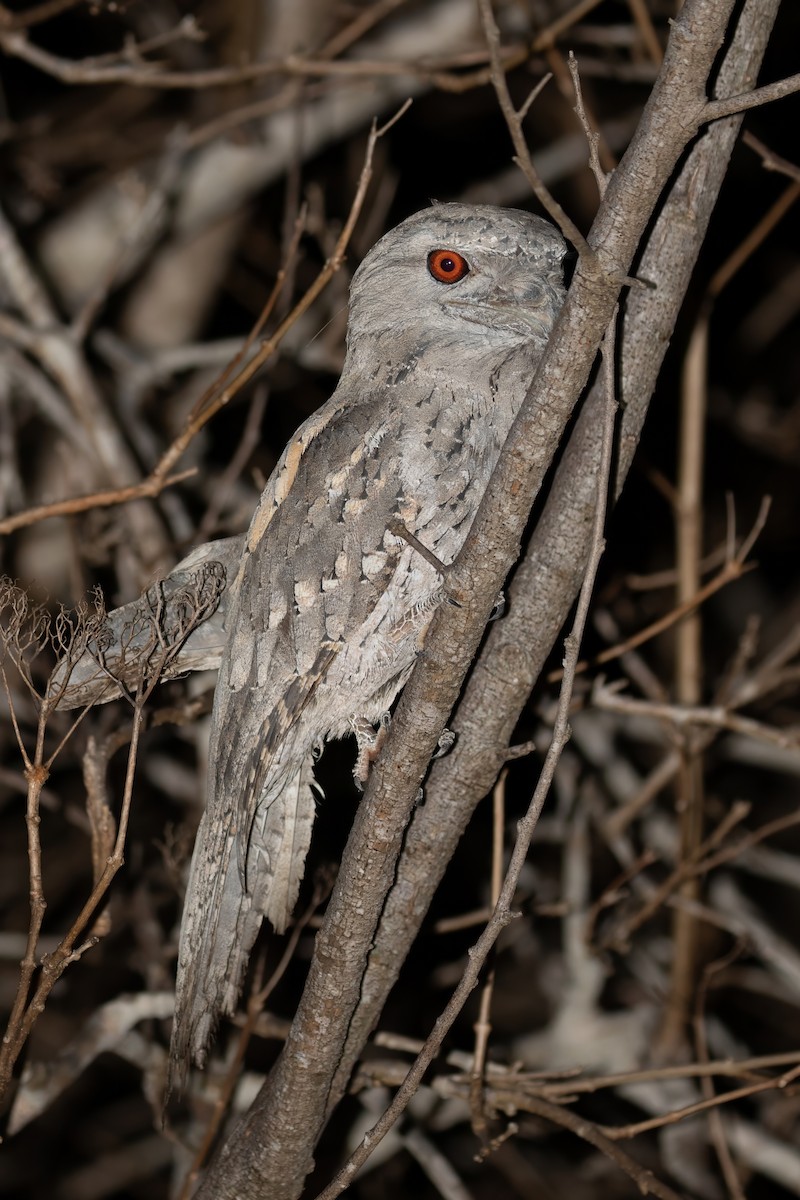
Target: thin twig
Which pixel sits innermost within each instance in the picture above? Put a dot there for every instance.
(730, 105)
(723, 275)
(550, 34)
(26, 1010)
(507, 1085)
(689, 781)
(647, 32)
(600, 1138)
(513, 120)
(149, 488)
(36, 15)
(770, 160)
(592, 136)
(623, 1132)
(715, 1123)
(483, 1025)
(144, 74)
(687, 869)
(682, 715)
(729, 573)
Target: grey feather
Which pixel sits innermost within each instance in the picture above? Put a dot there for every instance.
(328, 608)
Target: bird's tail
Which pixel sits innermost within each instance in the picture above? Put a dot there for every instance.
(225, 906)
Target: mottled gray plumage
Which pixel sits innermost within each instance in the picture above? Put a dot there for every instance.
(329, 608)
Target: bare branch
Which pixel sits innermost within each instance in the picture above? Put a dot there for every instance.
(715, 109)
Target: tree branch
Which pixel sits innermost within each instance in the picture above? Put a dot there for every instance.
(545, 583)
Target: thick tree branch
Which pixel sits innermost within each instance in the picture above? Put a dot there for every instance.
(547, 580)
(502, 913)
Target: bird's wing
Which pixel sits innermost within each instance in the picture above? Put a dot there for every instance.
(312, 569)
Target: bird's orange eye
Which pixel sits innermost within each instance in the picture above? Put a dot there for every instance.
(447, 266)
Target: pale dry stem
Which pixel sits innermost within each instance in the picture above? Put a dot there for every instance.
(483, 1027)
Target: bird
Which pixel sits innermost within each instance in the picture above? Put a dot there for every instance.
(345, 562)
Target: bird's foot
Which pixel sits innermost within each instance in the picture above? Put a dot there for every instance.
(499, 607)
(446, 741)
(369, 741)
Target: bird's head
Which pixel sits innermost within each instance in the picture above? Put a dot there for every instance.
(457, 279)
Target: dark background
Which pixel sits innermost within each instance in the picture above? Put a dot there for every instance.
(63, 146)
